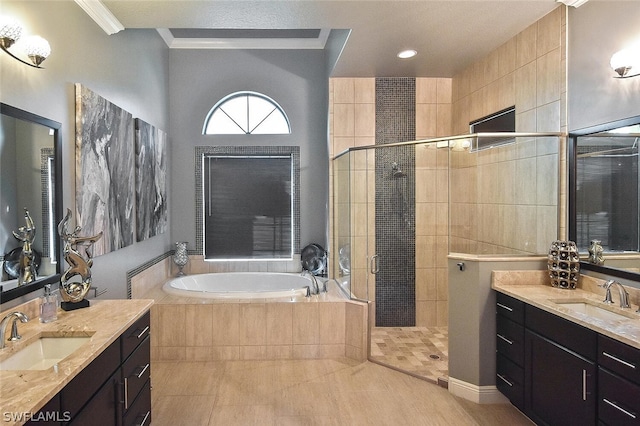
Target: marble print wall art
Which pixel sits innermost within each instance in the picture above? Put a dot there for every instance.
(105, 150)
(151, 188)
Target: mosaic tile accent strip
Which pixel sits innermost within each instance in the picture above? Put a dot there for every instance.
(421, 351)
(140, 268)
(395, 203)
(46, 163)
(200, 151)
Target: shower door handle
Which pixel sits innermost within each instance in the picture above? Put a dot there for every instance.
(374, 264)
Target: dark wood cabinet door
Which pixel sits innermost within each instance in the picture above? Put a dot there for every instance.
(560, 385)
(101, 410)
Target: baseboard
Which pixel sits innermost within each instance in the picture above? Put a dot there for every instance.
(475, 393)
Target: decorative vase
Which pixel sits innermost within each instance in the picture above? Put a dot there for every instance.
(180, 257)
(564, 264)
(596, 252)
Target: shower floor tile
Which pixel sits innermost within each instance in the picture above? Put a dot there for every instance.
(421, 351)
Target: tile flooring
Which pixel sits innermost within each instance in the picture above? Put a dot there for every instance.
(308, 392)
(421, 351)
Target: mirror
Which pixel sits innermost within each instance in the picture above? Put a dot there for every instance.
(604, 182)
(31, 166)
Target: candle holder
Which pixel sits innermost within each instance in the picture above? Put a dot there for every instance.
(180, 257)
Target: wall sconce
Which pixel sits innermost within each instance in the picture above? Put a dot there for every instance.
(35, 48)
(626, 62)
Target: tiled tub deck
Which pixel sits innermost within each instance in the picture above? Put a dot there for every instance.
(326, 326)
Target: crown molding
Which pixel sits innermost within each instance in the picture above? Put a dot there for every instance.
(101, 15)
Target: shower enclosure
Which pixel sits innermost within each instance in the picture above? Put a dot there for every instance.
(399, 209)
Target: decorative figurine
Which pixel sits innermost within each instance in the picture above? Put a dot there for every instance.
(27, 266)
(73, 293)
(596, 252)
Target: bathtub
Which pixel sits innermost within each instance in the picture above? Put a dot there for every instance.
(239, 285)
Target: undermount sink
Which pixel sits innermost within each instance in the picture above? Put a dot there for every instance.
(43, 353)
(593, 310)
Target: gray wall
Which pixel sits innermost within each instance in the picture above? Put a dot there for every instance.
(296, 80)
(472, 317)
(130, 69)
(596, 31)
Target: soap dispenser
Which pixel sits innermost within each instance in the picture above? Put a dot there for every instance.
(49, 305)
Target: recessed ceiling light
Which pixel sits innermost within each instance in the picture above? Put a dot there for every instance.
(410, 53)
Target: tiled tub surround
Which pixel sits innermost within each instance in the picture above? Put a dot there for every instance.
(319, 327)
(533, 287)
(104, 321)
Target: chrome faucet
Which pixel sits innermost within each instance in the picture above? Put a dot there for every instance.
(11, 318)
(314, 289)
(624, 295)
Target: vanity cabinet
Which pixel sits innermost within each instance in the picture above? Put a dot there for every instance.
(116, 379)
(136, 370)
(115, 388)
(560, 370)
(618, 383)
(560, 373)
(510, 348)
(91, 387)
(48, 415)
(126, 364)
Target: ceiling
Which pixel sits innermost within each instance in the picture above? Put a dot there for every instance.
(449, 35)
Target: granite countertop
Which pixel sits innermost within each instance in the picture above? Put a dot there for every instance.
(104, 321)
(533, 287)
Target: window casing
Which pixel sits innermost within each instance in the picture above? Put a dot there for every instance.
(245, 112)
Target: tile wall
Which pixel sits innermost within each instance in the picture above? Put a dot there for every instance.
(241, 331)
(528, 71)
(505, 200)
(352, 124)
(433, 119)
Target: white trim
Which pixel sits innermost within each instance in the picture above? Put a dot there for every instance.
(244, 43)
(574, 3)
(475, 393)
(101, 15)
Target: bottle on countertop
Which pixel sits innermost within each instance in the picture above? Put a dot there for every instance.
(49, 305)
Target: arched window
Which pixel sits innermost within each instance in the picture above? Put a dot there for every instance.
(248, 113)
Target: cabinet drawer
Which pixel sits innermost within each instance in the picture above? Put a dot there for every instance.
(140, 412)
(135, 335)
(135, 372)
(568, 334)
(619, 358)
(618, 400)
(510, 308)
(80, 390)
(510, 380)
(510, 339)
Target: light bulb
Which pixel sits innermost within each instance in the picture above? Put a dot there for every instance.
(626, 62)
(405, 54)
(10, 31)
(36, 48)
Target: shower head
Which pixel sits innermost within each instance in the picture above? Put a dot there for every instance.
(396, 172)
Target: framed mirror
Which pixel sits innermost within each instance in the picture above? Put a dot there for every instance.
(604, 205)
(30, 163)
